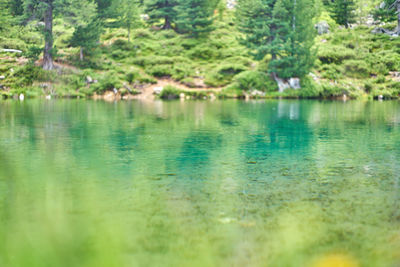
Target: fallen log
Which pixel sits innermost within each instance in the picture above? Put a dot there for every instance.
(11, 51)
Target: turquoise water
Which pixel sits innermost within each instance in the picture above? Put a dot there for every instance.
(224, 183)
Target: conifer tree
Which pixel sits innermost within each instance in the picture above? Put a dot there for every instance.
(86, 37)
(282, 29)
(255, 20)
(294, 37)
(4, 14)
(343, 12)
(127, 14)
(390, 11)
(162, 10)
(44, 10)
(82, 14)
(195, 17)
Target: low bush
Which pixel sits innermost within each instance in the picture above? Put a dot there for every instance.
(223, 74)
(160, 70)
(335, 54)
(170, 92)
(255, 80)
(356, 68)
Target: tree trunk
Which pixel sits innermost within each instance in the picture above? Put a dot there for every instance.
(48, 36)
(167, 24)
(81, 54)
(129, 33)
(398, 16)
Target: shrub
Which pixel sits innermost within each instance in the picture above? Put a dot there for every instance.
(204, 53)
(335, 54)
(170, 92)
(109, 82)
(255, 80)
(331, 71)
(132, 76)
(356, 68)
(143, 34)
(223, 75)
(160, 70)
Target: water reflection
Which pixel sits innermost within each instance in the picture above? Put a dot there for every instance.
(276, 183)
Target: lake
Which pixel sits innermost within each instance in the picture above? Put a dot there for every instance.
(199, 183)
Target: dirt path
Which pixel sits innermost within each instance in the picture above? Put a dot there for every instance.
(148, 92)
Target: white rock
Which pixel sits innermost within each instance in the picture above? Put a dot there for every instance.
(322, 27)
(295, 83)
(282, 84)
(158, 90)
(2, 77)
(257, 93)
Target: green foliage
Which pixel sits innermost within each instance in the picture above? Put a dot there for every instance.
(28, 74)
(162, 10)
(5, 15)
(255, 80)
(356, 68)
(335, 54)
(224, 74)
(160, 70)
(127, 14)
(282, 29)
(194, 17)
(343, 12)
(87, 37)
(107, 83)
(170, 92)
(387, 13)
(33, 52)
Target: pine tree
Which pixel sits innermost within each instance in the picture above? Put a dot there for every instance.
(127, 14)
(294, 38)
(5, 15)
(16, 7)
(390, 11)
(162, 10)
(282, 29)
(44, 10)
(86, 37)
(343, 12)
(82, 14)
(255, 20)
(195, 17)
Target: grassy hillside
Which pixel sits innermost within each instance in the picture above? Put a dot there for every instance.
(352, 62)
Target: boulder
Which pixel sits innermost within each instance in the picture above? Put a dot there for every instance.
(294, 83)
(282, 84)
(158, 90)
(2, 77)
(256, 93)
(231, 4)
(322, 27)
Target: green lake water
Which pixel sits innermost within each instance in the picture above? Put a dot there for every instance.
(197, 183)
